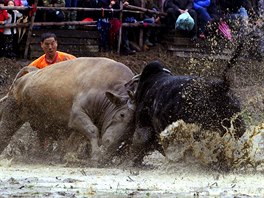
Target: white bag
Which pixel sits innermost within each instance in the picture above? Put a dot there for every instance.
(184, 22)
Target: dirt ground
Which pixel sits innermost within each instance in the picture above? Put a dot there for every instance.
(26, 173)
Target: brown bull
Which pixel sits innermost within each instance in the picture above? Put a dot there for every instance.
(85, 94)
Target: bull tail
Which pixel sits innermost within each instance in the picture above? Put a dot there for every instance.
(22, 72)
(232, 62)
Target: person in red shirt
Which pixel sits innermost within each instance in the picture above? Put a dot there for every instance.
(3, 18)
(16, 2)
(49, 45)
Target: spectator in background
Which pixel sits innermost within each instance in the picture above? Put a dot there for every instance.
(40, 14)
(204, 17)
(10, 34)
(24, 19)
(214, 10)
(54, 15)
(128, 35)
(3, 19)
(151, 34)
(109, 4)
(175, 8)
(108, 24)
(71, 15)
(49, 45)
(16, 2)
(24, 3)
(218, 25)
(238, 13)
(237, 9)
(81, 15)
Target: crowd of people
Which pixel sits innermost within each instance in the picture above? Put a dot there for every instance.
(9, 38)
(199, 18)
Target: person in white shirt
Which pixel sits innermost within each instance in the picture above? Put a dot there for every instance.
(10, 34)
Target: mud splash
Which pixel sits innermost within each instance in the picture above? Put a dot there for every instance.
(180, 143)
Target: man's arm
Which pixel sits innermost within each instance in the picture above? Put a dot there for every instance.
(189, 5)
(172, 4)
(203, 3)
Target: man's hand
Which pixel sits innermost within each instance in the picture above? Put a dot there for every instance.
(125, 3)
(183, 11)
(111, 4)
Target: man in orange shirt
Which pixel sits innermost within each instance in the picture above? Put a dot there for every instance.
(49, 45)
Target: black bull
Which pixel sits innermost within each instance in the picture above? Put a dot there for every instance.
(162, 98)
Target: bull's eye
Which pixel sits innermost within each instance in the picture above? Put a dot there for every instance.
(122, 115)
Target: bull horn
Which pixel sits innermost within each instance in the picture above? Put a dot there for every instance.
(130, 84)
(166, 70)
(136, 77)
(131, 94)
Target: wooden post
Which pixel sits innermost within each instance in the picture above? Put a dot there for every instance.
(141, 38)
(134, 8)
(120, 30)
(141, 30)
(30, 29)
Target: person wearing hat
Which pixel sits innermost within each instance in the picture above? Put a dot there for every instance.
(49, 45)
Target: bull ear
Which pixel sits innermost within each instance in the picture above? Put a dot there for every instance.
(114, 98)
(131, 94)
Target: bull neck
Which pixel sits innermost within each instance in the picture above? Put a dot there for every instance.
(54, 59)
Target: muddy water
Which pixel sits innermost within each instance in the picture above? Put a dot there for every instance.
(162, 180)
(160, 177)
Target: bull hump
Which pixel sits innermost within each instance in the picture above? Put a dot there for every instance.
(148, 73)
(80, 71)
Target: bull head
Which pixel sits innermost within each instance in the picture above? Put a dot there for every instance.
(115, 98)
(119, 100)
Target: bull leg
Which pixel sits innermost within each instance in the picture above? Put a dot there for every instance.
(142, 144)
(80, 121)
(78, 149)
(10, 122)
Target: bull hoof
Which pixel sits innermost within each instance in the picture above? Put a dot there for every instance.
(128, 164)
(93, 164)
(96, 161)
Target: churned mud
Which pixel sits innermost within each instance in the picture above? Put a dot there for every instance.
(163, 180)
(27, 172)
